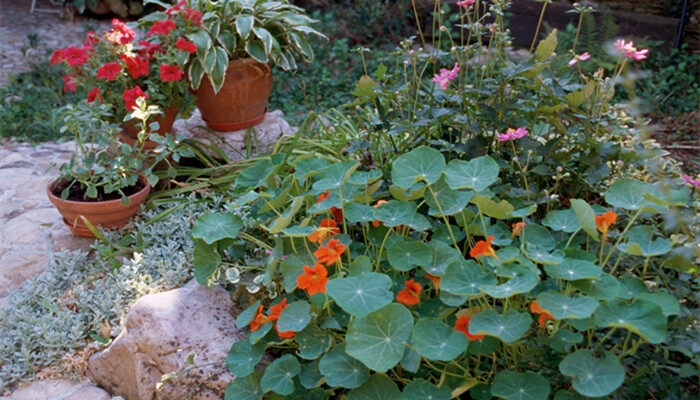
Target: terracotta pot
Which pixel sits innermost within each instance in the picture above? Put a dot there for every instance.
(242, 100)
(109, 214)
(130, 130)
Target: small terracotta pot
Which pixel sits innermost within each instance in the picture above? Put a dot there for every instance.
(242, 100)
(109, 214)
(130, 131)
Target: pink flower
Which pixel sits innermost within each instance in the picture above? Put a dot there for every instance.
(466, 3)
(120, 33)
(512, 134)
(628, 49)
(691, 181)
(446, 76)
(640, 54)
(577, 58)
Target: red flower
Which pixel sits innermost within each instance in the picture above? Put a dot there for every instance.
(120, 33)
(176, 8)
(483, 248)
(95, 93)
(193, 16)
(136, 66)
(330, 253)
(543, 314)
(276, 310)
(258, 320)
(170, 73)
(313, 280)
(70, 83)
(161, 27)
(327, 228)
(184, 44)
(109, 71)
(337, 214)
(603, 222)
(90, 39)
(131, 95)
(71, 55)
(286, 334)
(462, 325)
(517, 227)
(434, 279)
(149, 49)
(410, 295)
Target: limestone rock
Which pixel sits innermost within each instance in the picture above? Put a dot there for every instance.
(161, 331)
(58, 389)
(264, 136)
(16, 267)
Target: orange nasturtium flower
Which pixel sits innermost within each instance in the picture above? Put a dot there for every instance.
(410, 295)
(377, 222)
(329, 253)
(285, 334)
(434, 279)
(337, 213)
(543, 315)
(276, 310)
(258, 320)
(462, 325)
(313, 280)
(483, 248)
(517, 227)
(603, 222)
(327, 228)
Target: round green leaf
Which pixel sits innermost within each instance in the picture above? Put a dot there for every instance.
(522, 280)
(508, 327)
(256, 175)
(442, 255)
(540, 255)
(640, 316)
(627, 194)
(361, 294)
(586, 217)
(422, 164)
(561, 306)
(313, 341)
(378, 338)
(403, 255)
(465, 277)
(604, 287)
(278, 375)
(512, 385)
(437, 341)
(444, 201)
(212, 227)
(246, 315)
(294, 317)
(537, 235)
(395, 213)
(640, 242)
(669, 305)
(340, 369)
(630, 287)
(476, 174)
(243, 357)
(563, 340)
(419, 389)
(245, 388)
(572, 270)
(592, 376)
(310, 376)
(334, 176)
(562, 220)
(376, 387)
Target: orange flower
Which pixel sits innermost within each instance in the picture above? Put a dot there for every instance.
(276, 310)
(330, 253)
(483, 248)
(543, 315)
(286, 334)
(517, 227)
(258, 320)
(327, 228)
(603, 222)
(313, 280)
(462, 325)
(337, 214)
(377, 222)
(434, 279)
(410, 295)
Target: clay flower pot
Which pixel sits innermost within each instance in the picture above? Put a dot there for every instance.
(130, 130)
(242, 100)
(109, 214)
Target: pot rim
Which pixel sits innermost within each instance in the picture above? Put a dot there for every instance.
(142, 178)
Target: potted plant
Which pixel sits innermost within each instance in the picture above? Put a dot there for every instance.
(115, 70)
(106, 181)
(236, 41)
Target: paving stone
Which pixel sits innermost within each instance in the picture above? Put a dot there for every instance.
(16, 267)
(59, 389)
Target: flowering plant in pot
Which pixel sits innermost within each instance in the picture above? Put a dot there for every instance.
(105, 181)
(115, 70)
(235, 43)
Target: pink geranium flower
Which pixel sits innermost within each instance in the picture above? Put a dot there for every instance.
(512, 134)
(581, 57)
(445, 76)
(691, 181)
(628, 49)
(466, 3)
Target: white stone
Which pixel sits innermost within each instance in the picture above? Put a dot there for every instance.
(58, 389)
(16, 267)
(31, 226)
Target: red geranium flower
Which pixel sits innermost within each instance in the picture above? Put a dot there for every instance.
(149, 49)
(57, 57)
(136, 66)
(90, 39)
(462, 325)
(184, 44)
(72, 55)
(120, 33)
(161, 27)
(170, 73)
(131, 95)
(193, 16)
(313, 280)
(70, 83)
(95, 93)
(176, 8)
(109, 71)
(410, 295)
